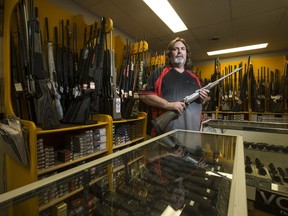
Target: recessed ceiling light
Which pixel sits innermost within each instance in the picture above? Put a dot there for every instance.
(167, 14)
(238, 49)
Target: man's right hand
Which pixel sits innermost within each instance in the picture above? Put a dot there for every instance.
(177, 106)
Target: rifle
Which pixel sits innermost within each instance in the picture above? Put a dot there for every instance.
(79, 108)
(241, 104)
(278, 101)
(86, 55)
(121, 77)
(96, 69)
(267, 91)
(116, 100)
(69, 59)
(45, 111)
(16, 88)
(65, 90)
(239, 84)
(75, 56)
(257, 98)
(58, 64)
(225, 103)
(162, 121)
(255, 104)
(235, 92)
(213, 103)
(128, 96)
(24, 62)
(53, 74)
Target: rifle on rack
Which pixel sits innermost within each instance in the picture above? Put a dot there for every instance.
(162, 121)
(79, 107)
(114, 101)
(225, 101)
(230, 95)
(213, 103)
(24, 62)
(86, 54)
(65, 90)
(59, 68)
(116, 105)
(121, 77)
(91, 71)
(235, 87)
(95, 72)
(70, 67)
(53, 75)
(75, 58)
(241, 104)
(267, 91)
(279, 98)
(46, 114)
(237, 96)
(133, 69)
(16, 87)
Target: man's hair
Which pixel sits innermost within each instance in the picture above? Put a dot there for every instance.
(171, 47)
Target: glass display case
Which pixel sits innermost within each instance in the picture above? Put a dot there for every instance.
(265, 156)
(177, 173)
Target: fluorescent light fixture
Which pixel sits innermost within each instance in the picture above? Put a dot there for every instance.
(238, 49)
(167, 14)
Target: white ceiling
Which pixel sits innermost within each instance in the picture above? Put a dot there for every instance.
(234, 22)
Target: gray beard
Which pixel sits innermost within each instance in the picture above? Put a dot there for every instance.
(178, 61)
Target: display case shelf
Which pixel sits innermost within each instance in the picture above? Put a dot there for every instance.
(147, 177)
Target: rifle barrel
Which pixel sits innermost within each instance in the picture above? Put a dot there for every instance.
(190, 98)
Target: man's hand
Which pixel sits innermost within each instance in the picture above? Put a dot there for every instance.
(177, 106)
(204, 95)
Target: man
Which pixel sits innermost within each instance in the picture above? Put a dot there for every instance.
(168, 85)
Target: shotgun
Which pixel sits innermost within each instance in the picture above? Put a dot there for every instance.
(162, 121)
(45, 111)
(75, 56)
(69, 58)
(16, 85)
(65, 84)
(96, 68)
(53, 74)
(24, 62)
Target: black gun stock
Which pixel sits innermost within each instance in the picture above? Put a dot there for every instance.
(162, 121)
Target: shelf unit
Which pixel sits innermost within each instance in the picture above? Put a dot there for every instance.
(32, 173)
(57, 137)
(17, 175)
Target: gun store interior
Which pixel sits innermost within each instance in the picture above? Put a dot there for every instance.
(106, 108)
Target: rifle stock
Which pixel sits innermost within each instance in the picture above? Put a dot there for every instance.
(162, 121)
